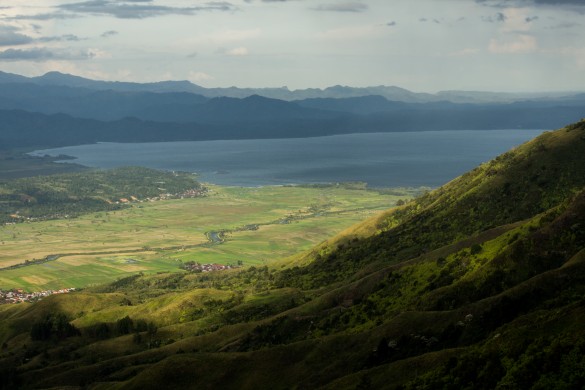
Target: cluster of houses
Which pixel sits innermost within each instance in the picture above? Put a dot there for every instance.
(192, 193)
(18, 295)
(197, 267)
(20, 218)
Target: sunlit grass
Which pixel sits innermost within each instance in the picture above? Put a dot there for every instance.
(158, 236)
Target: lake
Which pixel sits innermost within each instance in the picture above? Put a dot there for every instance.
(406, 159)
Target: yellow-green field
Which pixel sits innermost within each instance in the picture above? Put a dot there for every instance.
(157, 236)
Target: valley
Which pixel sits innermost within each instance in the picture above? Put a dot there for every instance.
(476, 284)
(292, 195)
(257, 226)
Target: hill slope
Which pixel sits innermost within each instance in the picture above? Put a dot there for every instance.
(477, 284)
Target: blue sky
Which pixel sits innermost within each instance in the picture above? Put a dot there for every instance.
(421, 45)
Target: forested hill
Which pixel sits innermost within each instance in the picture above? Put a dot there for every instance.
(478, 284)
(70, 195)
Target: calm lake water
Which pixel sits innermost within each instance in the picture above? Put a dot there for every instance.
(382, 159)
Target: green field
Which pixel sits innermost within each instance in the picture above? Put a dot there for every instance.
(261, 225)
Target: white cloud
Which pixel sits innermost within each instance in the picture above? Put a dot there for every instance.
(98, 53)
(238, 52)
(516, 20)
(514, 45)
(197, 77)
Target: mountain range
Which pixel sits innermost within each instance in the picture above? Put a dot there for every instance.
(57, 110)
(389, 92)
(477, 284)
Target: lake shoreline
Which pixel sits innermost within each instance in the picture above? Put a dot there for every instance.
(382, 160)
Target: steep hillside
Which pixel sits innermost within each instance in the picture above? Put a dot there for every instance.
(478, 284)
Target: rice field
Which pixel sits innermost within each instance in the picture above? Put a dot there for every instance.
(261, 226)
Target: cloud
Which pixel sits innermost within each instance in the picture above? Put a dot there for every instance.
(29, 55)
(518, 45)
(342, 7)
(109, 33)
(93, 53)
(62, 38)
(564, 25)
(44, 16)
(237, 52)
(497, 18)
(197, 77)
(10, 37)
(139, 9)
(43, 54)
(424, 20)
(559, 2)
(571, 5)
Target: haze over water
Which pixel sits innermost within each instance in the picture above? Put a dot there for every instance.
(381, 159)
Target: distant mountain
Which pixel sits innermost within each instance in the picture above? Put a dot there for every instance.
(150, 117)
(33, 130)
(363, 105)
(59, 109)
(98, 104)
(389, 92)
(255, 108)
(12, 78)
(479, 97)
(478, 284)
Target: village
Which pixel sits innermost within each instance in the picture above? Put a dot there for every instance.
(191, 193)
(18, 295)
(193, 266)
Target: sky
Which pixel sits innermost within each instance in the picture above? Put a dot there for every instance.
(420, 45)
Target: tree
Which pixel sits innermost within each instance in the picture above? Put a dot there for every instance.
(475, 249)
(124, 325)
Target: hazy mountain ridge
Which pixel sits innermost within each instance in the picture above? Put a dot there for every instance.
(58, 109)
(478, 283)
(283, 93)
(76, 110)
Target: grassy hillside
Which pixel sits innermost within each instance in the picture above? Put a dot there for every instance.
(478, 284)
